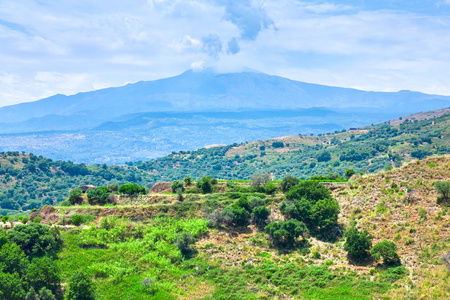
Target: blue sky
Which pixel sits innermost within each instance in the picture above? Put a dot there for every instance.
(49, 46)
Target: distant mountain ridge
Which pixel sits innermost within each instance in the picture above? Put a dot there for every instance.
(208, 91)
(150, 119)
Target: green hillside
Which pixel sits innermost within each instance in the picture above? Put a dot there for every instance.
(28, 181)
(213, 243)
(368, 150)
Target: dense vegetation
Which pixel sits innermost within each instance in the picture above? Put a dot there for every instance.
(229, 240)
(367, 150)
(28, 181)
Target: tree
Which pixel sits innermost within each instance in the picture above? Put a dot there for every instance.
(311, 190)
(98, 195)
(270, 188)
(43, 273)
(204, 185)
(349, 173)
(260, 215)
(177, 186)
(132, 189)
(324, 157)
(298, 209)
(286, 233)
(75, 196)
(443, 188)
(36, 240)
(188, 180)
(80, 287)
(183, 241)
(358, 244)
(260, 179)
(12, 286)
(324, 214)
(12, 259)
(288, 182)
(387, 251)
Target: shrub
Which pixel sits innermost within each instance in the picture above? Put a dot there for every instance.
(132, 189)
(324, 157)
(98, 195)
(80, 287)
(177, 185)
(277, 144)
(324, 214)
(77, 220)
(270, 188)
(286, 233)
(188, 180)
(36, 240)
(260, 179)
(311, 190)
(387, 251)
(349, 173)
(183, 241)
(288, 182)
(204, 185)
(443, 188)
(358, 244)
(260, 215)
(75, 196)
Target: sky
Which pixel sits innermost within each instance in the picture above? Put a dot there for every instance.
(50, 47)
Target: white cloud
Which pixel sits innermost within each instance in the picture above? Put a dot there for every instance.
(51, 47)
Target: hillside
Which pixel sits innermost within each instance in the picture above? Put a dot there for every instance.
(147, 120)
(28, 181)
(240, 262)
(367, 149)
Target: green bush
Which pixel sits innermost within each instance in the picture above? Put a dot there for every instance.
(132, 189)
(286, 233)
(75, 196)
(205, 185)
(36, 240)
(260, 215)
(98, 195)
(443, 188)
(288, 182)
(358, 244)
(80, 287)
(387, 251)
(77, 220)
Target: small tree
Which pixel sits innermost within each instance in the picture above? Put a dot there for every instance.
(188, 180)
(75, 196)
(80, 287)
(358, 244)
(184, 241)
(288, 182)
(177, 185)
(387, 251)
(349, 173)
(324, 156)
(98, 195)
(260, 179)
(260, 215)
(286, 233)
(204, 185)
(443, 188)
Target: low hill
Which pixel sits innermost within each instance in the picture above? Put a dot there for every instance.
(366, 149)
(28, 181)
(242, 262)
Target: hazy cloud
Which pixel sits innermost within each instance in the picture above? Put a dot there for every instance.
(212, 45)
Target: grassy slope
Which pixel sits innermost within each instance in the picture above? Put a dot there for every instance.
(236, 264)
